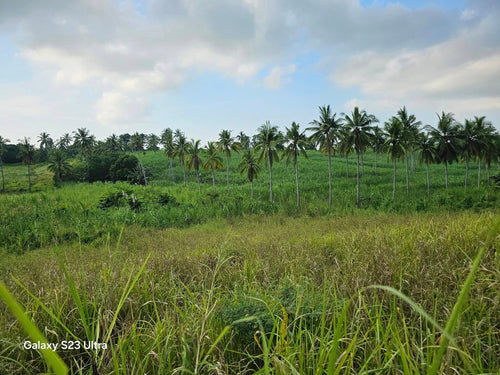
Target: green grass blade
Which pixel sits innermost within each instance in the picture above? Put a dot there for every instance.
(53, 360)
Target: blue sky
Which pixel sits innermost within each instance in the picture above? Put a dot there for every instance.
(116, 66)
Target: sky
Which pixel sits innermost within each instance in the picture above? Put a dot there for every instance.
(117, 66)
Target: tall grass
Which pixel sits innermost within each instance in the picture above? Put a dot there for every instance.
(268, 294)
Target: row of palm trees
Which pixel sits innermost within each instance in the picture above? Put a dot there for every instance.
(401, 137)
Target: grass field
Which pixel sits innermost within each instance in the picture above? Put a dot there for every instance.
(177, 282)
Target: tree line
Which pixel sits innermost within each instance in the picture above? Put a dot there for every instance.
(401, 137)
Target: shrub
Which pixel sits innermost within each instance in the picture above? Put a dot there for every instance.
(123, 168)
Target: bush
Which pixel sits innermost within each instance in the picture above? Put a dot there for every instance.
(98, 166)
(123, 168)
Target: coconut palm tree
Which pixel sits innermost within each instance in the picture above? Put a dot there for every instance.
(152, 141)
(325, 134)
(194, 160)
(446, 137)
(167, 140)
(471, 144)
(394, 144)
(227, 144)
(359, 129)
(181, 150)
(112, 143)
(344, 147)
(297, 143)
(250, 165)
(3, 147)
(58, 165)
(428, 155)
(213, 160)
(84, 141)
(378, 141)
(45, 141)
(27, 153)
(410, 129)
(243, 140)
(485, 149)
(269, 141)
(64, 141)
(137, 143)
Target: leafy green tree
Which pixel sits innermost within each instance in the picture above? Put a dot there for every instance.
(447, 140)
(410, 132)
(325, 134)
(213, 160)
(297, 143)
(3, 147)
(137, 142)
(394, 144)
(226, 144)
(269, 141)
(27, 154)
(84, 141)
(194, 159)
(359, 133)
(167, 140)
(123, 168)
(249, 165)
(181, 150)
(428, 155)
(58, 165)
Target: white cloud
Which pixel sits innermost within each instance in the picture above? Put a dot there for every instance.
(116, 107)
(461, 73)
(279, 76)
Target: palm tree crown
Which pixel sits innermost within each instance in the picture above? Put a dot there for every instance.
(249, 165)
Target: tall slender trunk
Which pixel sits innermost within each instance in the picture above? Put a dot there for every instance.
(271, 177)
(213, 178)
(357, 181)
(407, 175)
(198, 179)
(297, 180)
(479, 173)
(467, 169)
(29, 178)
(446, 172)
(394, 180)
(376, 154)
(362, 163)
(428, 179)
(227, 172)
(251, 184)
(329, 178)
(142, 169)
(172, 170)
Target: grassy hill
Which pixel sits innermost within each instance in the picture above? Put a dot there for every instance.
(174, 281)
